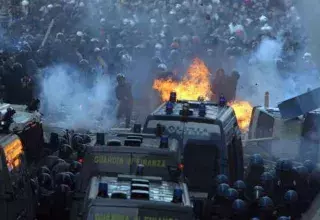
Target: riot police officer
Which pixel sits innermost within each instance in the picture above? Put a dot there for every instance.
(285, 175)
(266, 208)
(44, 196)
(63, 178)
(267, 182)
(124, 95)
(239, 210)
(219, 208)
(255, 169)
(61, 202)
(221, 178)
(241, 187)
(289, 206)
(309, 165)
(256, 194)
(314, 183)
(65, 152)
(231, 196)
(302, 187)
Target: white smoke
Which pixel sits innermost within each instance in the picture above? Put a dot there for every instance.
(69, 103)
(261, 75)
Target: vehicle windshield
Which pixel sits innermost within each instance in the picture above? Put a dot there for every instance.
(102, 213)
(187, 130)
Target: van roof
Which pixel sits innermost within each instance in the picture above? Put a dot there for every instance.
(148, 141)
(158, 190)
(213, 110)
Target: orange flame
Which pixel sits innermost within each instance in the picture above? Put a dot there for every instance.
(195, 84)
(243, 111)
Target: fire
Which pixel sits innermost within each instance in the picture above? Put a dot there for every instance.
(243, 111)
(196, 83)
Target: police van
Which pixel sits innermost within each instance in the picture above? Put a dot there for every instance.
(17, 197)
(208, 135)
(300, 133)
(122, 152)
(134, 198)
(27, 125)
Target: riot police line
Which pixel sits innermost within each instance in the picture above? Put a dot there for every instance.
(284, 192)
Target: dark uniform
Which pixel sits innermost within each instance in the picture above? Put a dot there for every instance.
(230, 94)
(124, 95)
(226, 85)
(219, 84)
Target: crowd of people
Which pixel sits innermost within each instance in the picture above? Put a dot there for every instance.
(138, 37)
(284, 192)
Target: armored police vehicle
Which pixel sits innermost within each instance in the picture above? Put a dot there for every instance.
(208, 135)
(134, 198)
(27, 125)
(273, 132)
(122, 152)
(16, 194)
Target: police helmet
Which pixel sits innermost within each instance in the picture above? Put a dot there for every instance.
(239, 185)
(221, 178)
(301, 171)
(284, 165)
(258, 192)
(45, 181)
(239, 206)
(63, 178)
(121, 77)
(65, 151)
(43, 169)
(75, 167)
(256, 160)
(266, 177)
(51, 161)
(73, 179)
(232, 194)
(290, 196)
(58, 161)
(309, 165)
(62, 189)
(60, 168)
(222, 189)
(162, 67)
(72, 176)
(266, 203)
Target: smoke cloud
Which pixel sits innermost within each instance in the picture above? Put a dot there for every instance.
(68, 103)
(262, 74)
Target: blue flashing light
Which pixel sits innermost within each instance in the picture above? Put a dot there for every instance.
(164, 139)
(169, 107)
(202, 110)
(103, 190)
(164, 142)
(177, 195)
(222, 100)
